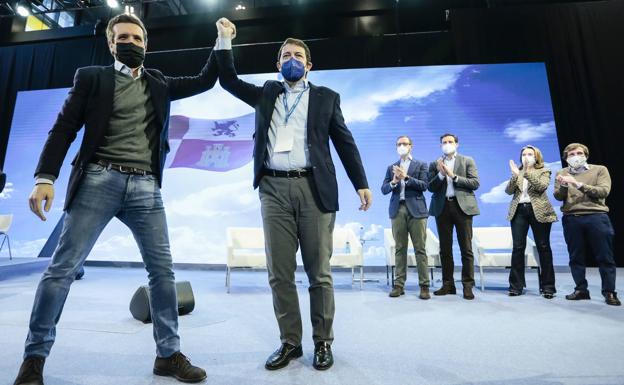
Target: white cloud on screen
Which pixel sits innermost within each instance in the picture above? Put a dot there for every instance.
(27, 249)
(496, 195)
(217, 201)
(524, 130)
(363, 92)
(376, 252)
(8, 189)
(217, 103)
(373, 232)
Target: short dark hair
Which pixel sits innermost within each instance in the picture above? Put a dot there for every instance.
(299, 43)
(404, 136)
(453, 135)
(124, 18)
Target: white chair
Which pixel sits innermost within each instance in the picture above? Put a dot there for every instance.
(5, 225)
(245, 250)
(432, 249)
(492, 248)
(348, 252)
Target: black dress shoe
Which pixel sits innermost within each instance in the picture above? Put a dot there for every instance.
(323, 357)
(612, 299)
(578, 295)
(31, 371)
(444, 290)
(514, 293)
(548, 295)
(179, 367)
(282, 356)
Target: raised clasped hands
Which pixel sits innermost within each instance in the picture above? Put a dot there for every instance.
(226, 28)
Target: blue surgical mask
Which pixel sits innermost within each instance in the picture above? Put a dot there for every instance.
(293, 70)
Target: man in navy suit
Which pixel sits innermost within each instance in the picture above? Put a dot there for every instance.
(407, 179)
(294, 171)
(117, 173)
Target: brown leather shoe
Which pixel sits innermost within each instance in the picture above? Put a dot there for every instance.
(396, 291)
(178, 366)
(424, 292)
(612, 299)
(468, 292)
(445, 289)
(578, 295)
(31, 371)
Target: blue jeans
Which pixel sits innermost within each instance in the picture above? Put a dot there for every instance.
(102, 195)
(591, 233)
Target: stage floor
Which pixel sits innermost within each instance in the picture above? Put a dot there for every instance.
(493, 340)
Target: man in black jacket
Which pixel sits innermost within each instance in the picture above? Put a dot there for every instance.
(298, 189)
(117, 173)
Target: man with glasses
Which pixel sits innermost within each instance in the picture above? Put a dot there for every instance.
(407, 179)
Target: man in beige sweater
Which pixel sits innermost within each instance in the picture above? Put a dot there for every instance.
(583, 188)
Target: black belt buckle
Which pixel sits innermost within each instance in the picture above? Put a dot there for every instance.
(122, 169)
(290, 174)
(293, 174)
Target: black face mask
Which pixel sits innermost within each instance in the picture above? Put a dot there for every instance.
(130, 54)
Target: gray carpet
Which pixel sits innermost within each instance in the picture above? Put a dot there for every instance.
(490, 341)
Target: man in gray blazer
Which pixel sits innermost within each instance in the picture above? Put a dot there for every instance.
(453, 179)
(407, 179)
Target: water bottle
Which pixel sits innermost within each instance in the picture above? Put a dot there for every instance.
(348, 248)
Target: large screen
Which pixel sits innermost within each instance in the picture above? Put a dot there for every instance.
(494, 109)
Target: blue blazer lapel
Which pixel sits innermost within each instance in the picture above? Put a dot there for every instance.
(411, 168)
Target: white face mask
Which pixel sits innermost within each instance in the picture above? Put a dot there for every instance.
(402, 150)
(449, 148)
(577, 161)
(528, 160)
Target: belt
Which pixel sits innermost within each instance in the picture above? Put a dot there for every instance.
(450, 198)
(122, 169)
(287, 174)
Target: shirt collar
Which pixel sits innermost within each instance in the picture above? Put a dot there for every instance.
(409, 158)
(452, 158)
(124, 69)
(578, 170)
(301, 85)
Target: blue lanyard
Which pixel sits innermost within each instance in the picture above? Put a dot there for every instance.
(289, 112)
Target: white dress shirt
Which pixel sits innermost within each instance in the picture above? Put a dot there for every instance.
(405, 163)
(288, 139)
(450, 164)
(524, 195)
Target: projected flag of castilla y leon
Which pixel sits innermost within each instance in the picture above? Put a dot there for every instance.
(212, 145)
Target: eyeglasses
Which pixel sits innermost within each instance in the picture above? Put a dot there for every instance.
(403, 144)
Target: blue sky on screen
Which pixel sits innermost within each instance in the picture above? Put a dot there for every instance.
(494, 109)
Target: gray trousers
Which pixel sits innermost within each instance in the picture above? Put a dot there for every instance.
(403, 225)
(291, 217)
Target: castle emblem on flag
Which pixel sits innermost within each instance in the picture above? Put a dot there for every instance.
(215, 155)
